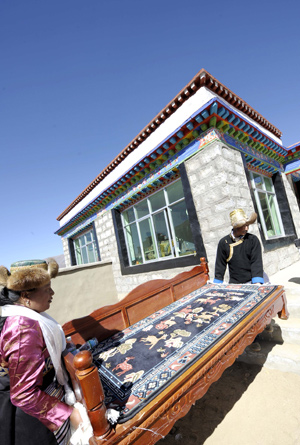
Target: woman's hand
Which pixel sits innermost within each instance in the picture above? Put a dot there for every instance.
(75, 418)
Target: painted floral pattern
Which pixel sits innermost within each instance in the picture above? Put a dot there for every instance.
(137, 363)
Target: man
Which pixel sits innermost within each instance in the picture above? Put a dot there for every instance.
(241, 251)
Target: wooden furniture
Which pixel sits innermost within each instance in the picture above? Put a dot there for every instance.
(155, 420)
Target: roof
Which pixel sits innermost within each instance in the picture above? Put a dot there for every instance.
(294, 146)
(202, 79)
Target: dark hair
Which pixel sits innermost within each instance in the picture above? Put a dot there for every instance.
(8, 296)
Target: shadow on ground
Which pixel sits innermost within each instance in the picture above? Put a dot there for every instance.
(208, 412)
(295, 280)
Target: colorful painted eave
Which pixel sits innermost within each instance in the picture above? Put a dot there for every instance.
(293, 152)
(202, 79)
(294, 147)
(262, 153)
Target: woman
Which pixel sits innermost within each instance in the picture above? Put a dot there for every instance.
(33, 382)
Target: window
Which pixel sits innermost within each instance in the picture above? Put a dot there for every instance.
(267, 205)
(158, 227)
(85, 248)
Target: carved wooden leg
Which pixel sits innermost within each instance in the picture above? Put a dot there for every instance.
(205, 265)
(92, 392)
(284, 313)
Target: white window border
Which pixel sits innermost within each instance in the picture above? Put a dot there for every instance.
(94, 242)
(171, 232)
(260, 212)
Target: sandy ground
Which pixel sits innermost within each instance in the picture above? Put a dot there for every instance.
(249, 405)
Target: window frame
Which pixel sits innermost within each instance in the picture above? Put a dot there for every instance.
(166, 210)
(94, 242)
(158, 266)
(267, 193)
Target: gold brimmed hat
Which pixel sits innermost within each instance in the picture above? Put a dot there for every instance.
(238, 218)
(29, 274)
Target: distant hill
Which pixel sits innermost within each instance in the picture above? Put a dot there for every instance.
(60, 259)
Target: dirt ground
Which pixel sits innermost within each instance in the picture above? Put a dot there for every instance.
(249, 405)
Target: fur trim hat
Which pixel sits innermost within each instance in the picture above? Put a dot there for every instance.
(26, 275)
(238, 218)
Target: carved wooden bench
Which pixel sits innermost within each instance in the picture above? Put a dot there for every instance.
(114, 324)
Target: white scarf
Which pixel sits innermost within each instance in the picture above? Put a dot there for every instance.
(54, 338)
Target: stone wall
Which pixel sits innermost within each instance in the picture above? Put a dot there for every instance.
(65, 244)
(218, 184)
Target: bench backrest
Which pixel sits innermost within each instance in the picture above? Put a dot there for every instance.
(138, 304)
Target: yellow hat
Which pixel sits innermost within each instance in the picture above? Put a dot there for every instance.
(238, 218)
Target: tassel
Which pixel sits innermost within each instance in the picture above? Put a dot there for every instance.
(70, 398)
(112, 416)
(84, 432)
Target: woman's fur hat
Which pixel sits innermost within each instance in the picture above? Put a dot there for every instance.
(26, 275)
(238, 218)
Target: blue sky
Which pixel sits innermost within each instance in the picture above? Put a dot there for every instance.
(79, 79)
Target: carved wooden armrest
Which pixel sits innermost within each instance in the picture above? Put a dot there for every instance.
(92, 392)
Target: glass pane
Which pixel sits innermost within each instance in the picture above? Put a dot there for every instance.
(142, 209)
(91, 253)
(266, 214)
(88, 237)
(78, 258)
(128, 216)
(147, 240)
(274, 214)
(157, 201)
(84, 256)
(161, 233)
(175, 191)
(184, 239)
(258, 181)
(133, 244)
(77, 251)
(97, 253)
(81, 240)
(268, 184)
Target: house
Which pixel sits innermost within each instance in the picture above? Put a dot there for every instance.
(165, 200)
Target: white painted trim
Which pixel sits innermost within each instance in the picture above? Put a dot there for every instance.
(200, 98)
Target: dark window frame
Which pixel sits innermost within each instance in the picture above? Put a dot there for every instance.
(71, 244)
(185, 261)
(296, 188)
